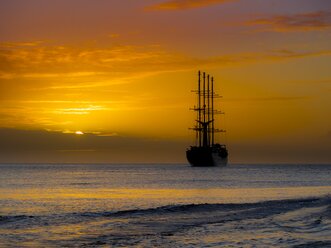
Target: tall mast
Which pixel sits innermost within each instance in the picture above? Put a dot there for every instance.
(212, 111)
(204, 124)
(199, 110)
(208, 109)
(204, 97)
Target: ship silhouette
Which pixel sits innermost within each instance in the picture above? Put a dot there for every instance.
(206, 152)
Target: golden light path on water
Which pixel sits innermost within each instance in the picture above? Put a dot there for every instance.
(226, 195)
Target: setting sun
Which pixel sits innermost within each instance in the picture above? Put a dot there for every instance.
(79, 133)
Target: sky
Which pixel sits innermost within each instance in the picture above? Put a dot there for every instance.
(110, 81)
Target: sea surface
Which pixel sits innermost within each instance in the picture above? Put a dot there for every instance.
(164, 205)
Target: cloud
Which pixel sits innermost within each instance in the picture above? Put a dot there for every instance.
(111, 63)
(184, 4)
(80, 111)
(282, 151)
(259, 57)
(21, 44)
(33, 146)
(313, 21)
(73, 72)
(88, 67)
(40, 146)
(268, 99)
(289, 54)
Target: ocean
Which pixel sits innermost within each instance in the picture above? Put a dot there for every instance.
(165, 205)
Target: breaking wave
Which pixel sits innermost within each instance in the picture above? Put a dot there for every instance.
(282, 205)
(295, 223)
(262, 208)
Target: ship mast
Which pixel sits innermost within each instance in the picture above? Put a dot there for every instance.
(205, 123)
(208, 110)
(212, 112)
(199, 110)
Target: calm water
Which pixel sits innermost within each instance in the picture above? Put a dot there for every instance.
(165, 205)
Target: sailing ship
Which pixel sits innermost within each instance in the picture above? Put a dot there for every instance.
(206, 152)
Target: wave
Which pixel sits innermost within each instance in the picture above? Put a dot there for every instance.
(316, 244)
(286, 204)
(277, 205)
(276, 223)
(194, 214)
(264, 223)
(12, 218)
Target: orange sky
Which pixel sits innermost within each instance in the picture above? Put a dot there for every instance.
(122, 71)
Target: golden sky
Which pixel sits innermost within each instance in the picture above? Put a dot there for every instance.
(122, 71)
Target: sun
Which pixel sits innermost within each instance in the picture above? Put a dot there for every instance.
(79, 133)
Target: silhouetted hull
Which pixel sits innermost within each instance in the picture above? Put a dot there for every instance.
(205, 157)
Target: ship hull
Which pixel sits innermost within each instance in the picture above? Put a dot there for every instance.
(205, 157)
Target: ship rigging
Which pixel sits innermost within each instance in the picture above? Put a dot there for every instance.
(206, 151)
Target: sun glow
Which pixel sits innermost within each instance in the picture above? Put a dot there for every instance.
(79, 133)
